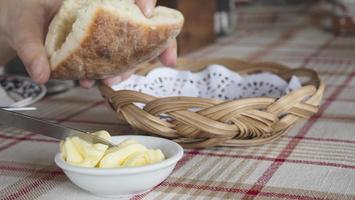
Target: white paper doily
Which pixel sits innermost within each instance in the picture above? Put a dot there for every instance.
(216, 81)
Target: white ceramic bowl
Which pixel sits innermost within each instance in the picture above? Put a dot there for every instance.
(125, 181)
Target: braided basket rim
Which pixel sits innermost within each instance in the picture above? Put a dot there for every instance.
(234, 123)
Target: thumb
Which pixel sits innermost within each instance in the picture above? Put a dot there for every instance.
(34, 57)
(27, 40)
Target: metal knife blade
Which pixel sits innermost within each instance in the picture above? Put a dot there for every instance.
(46, 128)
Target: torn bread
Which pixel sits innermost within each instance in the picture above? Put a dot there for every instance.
(95, 39)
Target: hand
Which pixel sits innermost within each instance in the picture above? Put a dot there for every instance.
(23, 26)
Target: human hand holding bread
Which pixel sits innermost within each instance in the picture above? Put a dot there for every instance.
(88, 39)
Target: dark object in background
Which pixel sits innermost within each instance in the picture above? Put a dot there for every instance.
(223, 21)
(198, 30)
(16, 67)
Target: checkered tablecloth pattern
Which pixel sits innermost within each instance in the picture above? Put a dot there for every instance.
(315, 160)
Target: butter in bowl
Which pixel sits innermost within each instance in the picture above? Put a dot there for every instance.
(137, 164)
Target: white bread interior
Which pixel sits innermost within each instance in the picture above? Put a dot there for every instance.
(73, 25)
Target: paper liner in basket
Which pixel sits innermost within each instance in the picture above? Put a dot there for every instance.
(216, 82)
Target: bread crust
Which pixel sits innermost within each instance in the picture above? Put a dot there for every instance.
(114, 45)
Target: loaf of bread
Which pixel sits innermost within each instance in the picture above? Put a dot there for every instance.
(95, 39)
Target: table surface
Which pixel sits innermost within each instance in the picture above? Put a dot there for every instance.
(315, 160)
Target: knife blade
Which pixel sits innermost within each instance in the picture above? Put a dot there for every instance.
(19, 108)
(46, 128)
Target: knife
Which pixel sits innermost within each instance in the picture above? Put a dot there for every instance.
(19, 108)
(46, 128)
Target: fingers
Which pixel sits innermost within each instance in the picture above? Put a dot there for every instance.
(112, 81)
(147, 6)
(108, 81)
(34, 57)
(169, 56)
(118, 79)
(87, 83)
(28, 43)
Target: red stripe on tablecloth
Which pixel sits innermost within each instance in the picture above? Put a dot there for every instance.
(276, 160)
(26, 169)
(343, 100)
(93, 105)
(237, 190)
(228, 41)
(308, 59)
(331, 73)
(10, 167)
(323, 139)
(303, 138)
(296, 45)
(28, 139)
(338, 117)
(231, 41)
(344, 59)
(286, 152)
(47, 98)
(319, 60)
(182, 162)
(189, 155)
(86, 122)
(335, 86)
(285, 37)
(338, 99)
(281, 158)
(13, 143)
(326, 56)
(30, 187)
(185, 159)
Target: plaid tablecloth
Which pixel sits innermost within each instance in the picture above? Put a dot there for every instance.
(315, 160)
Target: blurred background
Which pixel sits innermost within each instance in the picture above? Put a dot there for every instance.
(207, 21)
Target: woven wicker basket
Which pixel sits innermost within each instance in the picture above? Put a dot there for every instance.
(243, 122)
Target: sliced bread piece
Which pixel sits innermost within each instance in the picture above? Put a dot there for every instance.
(95, 39)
